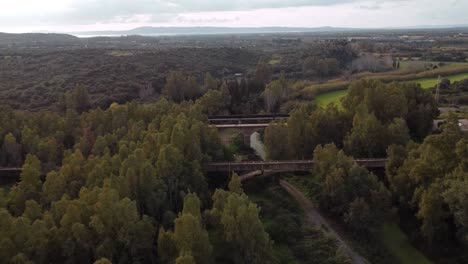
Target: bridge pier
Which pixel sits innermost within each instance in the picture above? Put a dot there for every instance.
(246, 138)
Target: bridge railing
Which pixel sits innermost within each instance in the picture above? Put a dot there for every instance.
(245, 119)
(286, 165)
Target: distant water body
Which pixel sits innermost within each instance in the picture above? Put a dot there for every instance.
(144, 35)
(126, 35)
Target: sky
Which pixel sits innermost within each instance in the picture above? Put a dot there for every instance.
(91, 15)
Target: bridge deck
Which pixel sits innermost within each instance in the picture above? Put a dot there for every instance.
(286, 165)
(239, 125)
(246, 119)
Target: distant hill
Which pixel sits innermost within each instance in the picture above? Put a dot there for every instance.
(160, 31)
(154, 31)
(38, 38)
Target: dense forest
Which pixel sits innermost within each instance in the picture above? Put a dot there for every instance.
(374, 116)
(112, 145)
(127, 183)
(37, 80)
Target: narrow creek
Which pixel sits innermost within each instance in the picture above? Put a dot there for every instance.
(257, 145)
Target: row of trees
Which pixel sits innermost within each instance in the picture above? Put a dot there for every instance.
(238, 94)
(374, 116)
(424, 182)
(429, 180)
(321, 68)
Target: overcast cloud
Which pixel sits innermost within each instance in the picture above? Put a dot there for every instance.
(84, 15)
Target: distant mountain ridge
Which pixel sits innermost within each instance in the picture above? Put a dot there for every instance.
(149, 31)
(157, 31)
(52, 38)
(6, 38)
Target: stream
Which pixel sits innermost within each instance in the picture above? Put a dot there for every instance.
(257, 145)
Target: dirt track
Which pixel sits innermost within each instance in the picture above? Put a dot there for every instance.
(315, 217)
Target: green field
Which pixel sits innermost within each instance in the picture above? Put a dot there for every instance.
(331, 97)
(398, 245)
(324, 99)
(417, 64)
(427, 83)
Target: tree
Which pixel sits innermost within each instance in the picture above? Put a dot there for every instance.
(273, 138)
(359, 215)
(210, 82)
(424, 180)
(316, 67)
(99, 146)
(167, 250)
(394, 100)
(274, 94)
(263, 71)
(113, 176)
(175, 86)
(238, 219)
(225, 94)
(12, 150)
(169, 169)
(185, 259)
(309, 67)
(326, 125)
(235, 185)
(191, 238)
(192, 206)
(77, 99)
(192, 88)
(102, 261)
(297, 123)
(370, 138)
(81, 99)
(53, 187)
(32, 210)
(432, 213)
(350, 191)
(30, 177)
(455, 196)
(212, 102)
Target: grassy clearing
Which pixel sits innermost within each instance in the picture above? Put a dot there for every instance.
(398, 245)
(275, 59)
(417, 64)
(324, 99)
(310, 90)
(332, 97)
(427, 83)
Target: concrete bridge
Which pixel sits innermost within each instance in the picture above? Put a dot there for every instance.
(245, 124)
(246, 119)
(250, 169)
(249, 124)
(280, 166)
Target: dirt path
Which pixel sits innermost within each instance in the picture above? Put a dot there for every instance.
(317, 219)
